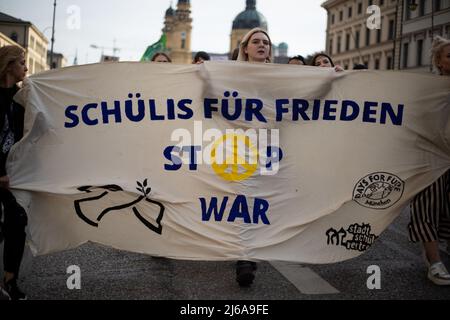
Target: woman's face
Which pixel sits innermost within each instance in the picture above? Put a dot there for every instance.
(444, 61)
(161, 58)
(322, 61)
(258, 48)
(18, 69)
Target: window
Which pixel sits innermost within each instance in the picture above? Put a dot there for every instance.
(377, 64)
(359, 8)
(341, 15)
(422, 8)
(332, 19)
(381, 2)
(367, 37)
(378, 35)
(183, 40)
(346, 67)
(419, 52)
(31, 65)
(370, 3)
(339, 44)
(437, 5)
(14, 36)
(405, 55)
(357, 39)
(330, 49)
(389, 63)
(407, 10)
(347, 42)
(350, 12)
(391, 30)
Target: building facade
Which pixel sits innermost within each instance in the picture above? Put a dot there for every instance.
(349, 41)
(28, 37)
(422, 20)
(59, 61)
(178, 27)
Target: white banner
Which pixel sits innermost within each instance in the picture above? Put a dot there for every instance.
(228, 160)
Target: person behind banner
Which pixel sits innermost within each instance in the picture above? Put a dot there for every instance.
(430, 209)
(256, 46)
(323, 60)
(201, 57)
(161, 57)
(13, 70)
(299, 60)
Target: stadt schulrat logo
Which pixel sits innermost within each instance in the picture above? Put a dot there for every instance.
(379, 190)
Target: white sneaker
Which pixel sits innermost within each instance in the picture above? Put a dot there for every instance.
(439, 274)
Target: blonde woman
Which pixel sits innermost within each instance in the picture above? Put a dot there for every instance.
(430, 209)
(13, 70)
(256, 47)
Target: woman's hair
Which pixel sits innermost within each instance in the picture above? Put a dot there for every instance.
(244, 43)
(436, 50)
(298, 57)
(235, 54)
(321, 54)
(9, 54)
(201, 54)
(161, 54)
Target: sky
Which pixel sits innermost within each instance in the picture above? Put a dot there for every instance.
(135, 24)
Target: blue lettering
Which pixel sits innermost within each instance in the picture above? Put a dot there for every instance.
(316, 110)
(328, 111)
(182, 105)
(71, 116)
(114, 112)
(176, 161)
(218, 213)
(368, 112)
(239, 210)
(346, 104)
(279, 103)
(260, 208)
(208, 108)
(153, 114)
(84, 114)
(253, 108)
(396, 119)
(192, 150)
(299, 107)
(129, 110)
(273, 154)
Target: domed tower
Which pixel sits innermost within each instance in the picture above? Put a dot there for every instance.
(178, 27)
(283, 49)
(245, 21)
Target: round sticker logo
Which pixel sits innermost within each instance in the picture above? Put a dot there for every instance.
(236, 167)
(379, 190)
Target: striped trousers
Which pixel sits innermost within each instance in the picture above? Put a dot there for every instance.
(430, 212)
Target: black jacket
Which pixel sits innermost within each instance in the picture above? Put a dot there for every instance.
(15, 113)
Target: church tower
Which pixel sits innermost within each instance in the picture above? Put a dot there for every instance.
(244, 22)
(178, 27)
